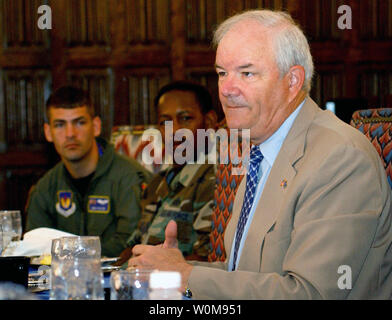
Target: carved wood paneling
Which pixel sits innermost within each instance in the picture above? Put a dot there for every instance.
(142, 91)
(18, 25)
(202, 16)
(376, 19)
(87, 22)
(139, 90)
(327, 86)
(99, 84)
(319, 19)
(17, 183)
(377, 85)
(147, 21)
(24, 97)
(3, 136)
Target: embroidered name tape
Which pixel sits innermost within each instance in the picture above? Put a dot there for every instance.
(98, 204)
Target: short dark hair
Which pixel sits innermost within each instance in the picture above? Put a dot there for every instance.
(201, 93)
(69, 97)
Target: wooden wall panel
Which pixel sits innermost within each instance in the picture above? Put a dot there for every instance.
(99, 84)
(25, 93)
(376, 19)
(3, 137)
(88, 22)
(377, 85)
(319, 19)
(327, 86)
(17, 183)
(147, 21)
(142, 87)
(202, 16)
(18, 25)
(22, 44)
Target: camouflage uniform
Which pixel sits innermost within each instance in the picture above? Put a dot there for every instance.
(184, 194)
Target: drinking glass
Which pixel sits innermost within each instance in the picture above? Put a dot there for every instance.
(54, 255)
(80, 247)
(76, 269)
(82, 279)
(6, 223)
(1, 240)
(131, 284)
(16, 225)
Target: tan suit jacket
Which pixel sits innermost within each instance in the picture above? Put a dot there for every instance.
(326, 235)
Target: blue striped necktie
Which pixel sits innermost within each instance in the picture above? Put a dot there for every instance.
(251, 184)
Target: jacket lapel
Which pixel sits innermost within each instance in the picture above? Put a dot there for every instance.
(281, 176)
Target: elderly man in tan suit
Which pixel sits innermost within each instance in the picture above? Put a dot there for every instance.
(313, 218)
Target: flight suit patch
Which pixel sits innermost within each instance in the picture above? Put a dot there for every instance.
(98, 204)
(65, 206)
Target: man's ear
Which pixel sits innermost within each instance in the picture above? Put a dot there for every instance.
(210, 119)
(48, 134)
(296, 78)
(97, 124)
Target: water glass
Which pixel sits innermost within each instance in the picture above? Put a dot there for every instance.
(6, 224)
(76, 269)
(54, 255)
(78, 279)
(1, 240)
(11, 220)
(80, 247)
(16, 225)
(131, 284)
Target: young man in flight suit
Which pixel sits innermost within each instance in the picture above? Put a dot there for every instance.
(92, 191)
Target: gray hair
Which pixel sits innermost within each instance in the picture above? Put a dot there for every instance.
(291, 45)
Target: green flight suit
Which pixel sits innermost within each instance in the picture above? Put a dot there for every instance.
(110, 208)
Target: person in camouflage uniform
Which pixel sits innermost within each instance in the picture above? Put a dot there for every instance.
(183, 193)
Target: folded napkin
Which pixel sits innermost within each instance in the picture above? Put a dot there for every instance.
(36, 242)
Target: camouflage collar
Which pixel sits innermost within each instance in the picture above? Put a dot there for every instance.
(187, 173)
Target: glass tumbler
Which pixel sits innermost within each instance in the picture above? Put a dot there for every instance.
(16, 218)
(6, 224)
(76, 272)
(131, 284)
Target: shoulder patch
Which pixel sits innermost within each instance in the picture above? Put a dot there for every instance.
(65, 205)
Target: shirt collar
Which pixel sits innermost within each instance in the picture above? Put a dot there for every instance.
(186, 174)
(271, 147)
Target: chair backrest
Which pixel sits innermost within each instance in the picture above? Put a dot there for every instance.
(227, 185)
(127, 140)
(226, 189)
(376, 125)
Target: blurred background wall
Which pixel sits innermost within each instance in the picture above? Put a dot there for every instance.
(122, 51)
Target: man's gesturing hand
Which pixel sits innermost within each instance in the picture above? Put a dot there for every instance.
(164, 257)
(171, 235)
